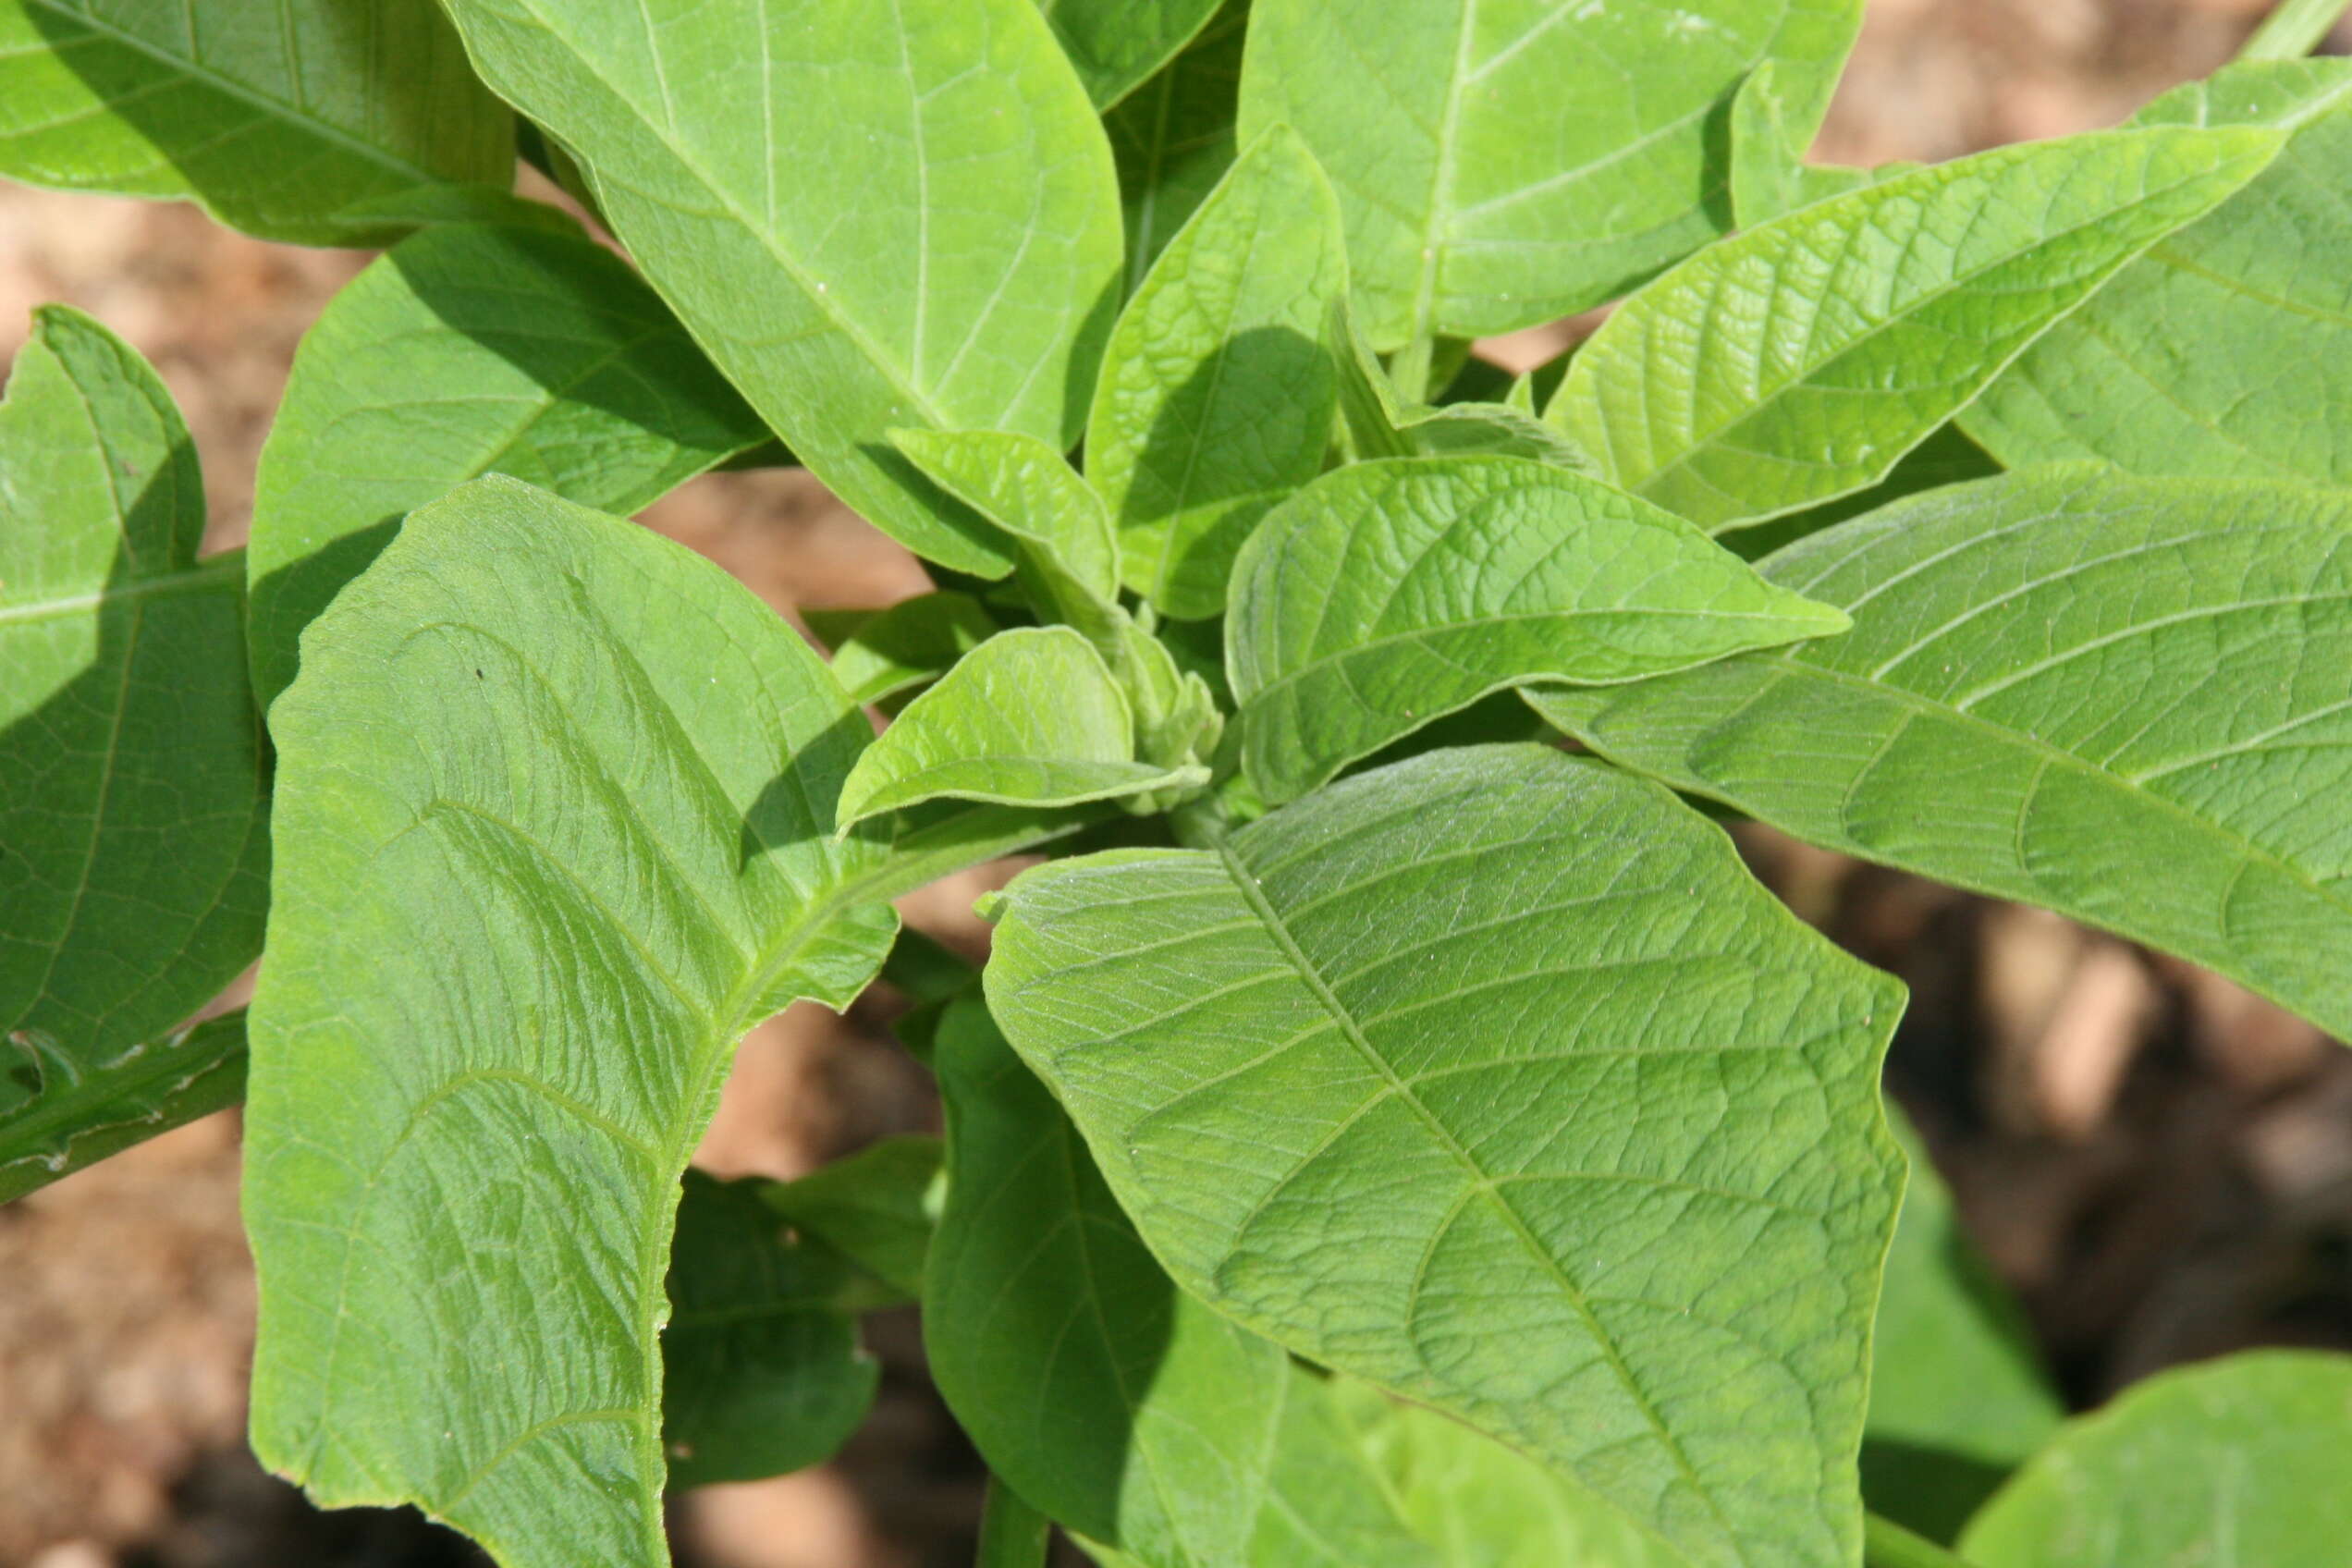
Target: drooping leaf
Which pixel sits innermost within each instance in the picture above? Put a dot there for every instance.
(277, 118)
(1172, 139)
(877, 1207)
(467, 351)
(1028, 489)
(1389, 593)
(938, 247)
(761, 1372)
(1116, 43)
(2240, 1461)
(1800, 360)
(1492, 1079)
(553, 831)
(1218, 387)
(2227, 349)
(1504, 166)
(79, 1115)
(913, 642)
(133, 806)
(2127, 700)
(1099, 1391)
(1030, 717)
(1958, 1397)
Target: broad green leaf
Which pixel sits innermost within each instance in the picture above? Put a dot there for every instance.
(1948, 457)
(1491, 1078)
(2128, 700)
(2227, 349)
(938, 247)
(1502, 166)
(1116, 43)
(1030, 717)
(2239, 1460)
(1028, 489)
(1218, 389)
(1099, 1391)
(1381, 423)
(761, 1371)
(877, 1209)
(1770, 176)
(553, 831)
(133, 806)
(1172, 139)
(79, 1115)
(276, 117)
(462, 351)
(1958, 1397)
(1389, 593)
(1800, 360)
(913, 642)
(1481, 1504)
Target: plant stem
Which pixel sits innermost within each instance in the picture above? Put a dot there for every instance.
(2295, 29)
(1886, 1544)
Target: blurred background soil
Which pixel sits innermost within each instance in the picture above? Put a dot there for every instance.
(2160, 1164)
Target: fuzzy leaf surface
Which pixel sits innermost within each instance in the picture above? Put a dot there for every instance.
(466, 350)
(276, 118)
(1491, 1078)
(941, 247)
(1114, 45)
(1800, 360)
(2129, 700)
(554, 830)
(1392, 593)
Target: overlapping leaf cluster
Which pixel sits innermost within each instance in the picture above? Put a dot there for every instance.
(1390, 1140)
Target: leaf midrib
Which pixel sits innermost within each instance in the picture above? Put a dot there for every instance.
(226, 568)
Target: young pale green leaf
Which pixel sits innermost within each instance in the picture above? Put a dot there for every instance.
(761, 1372)
(468, 350)
(1116, 43)
(1218, 387)
(1031, 717)
(1099, 1390)
(938, 247)
(877, 1209)
(1389, 593)
(913, 642)
(1502, 165)
(1028, 489)
(277, 118)
(1172, 139)
(553, 831)
(1958, 1397)
(2239, 1460)
(2128, 700)
(1492, 1078)
(2227, 349)
(1800, 360)
(133, 806)
(77, 1115)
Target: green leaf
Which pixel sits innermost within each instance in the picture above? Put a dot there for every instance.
(133, 802)
(277, 118)
(1172, 139)
(1500, 166)
(1381, 423)
(876, 1207)
(762, 1373)
(79, 1115)
(913, 642)
(1116, 43)
(462, 351)
(1030, 717)
(552, 834)
(1958, 1397)
(1770, 176)
(2128, 700)
(1389, 593)
(1216, 388)
(1013, 1534)
(2239, 1460)
(1800, 360)
(2227, 349)
(1494, 1078)
(1025, 487)
(938, 247)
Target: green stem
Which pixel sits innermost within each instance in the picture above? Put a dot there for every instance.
(1886, 1544)
(1013, 1534)
(2295, 29)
